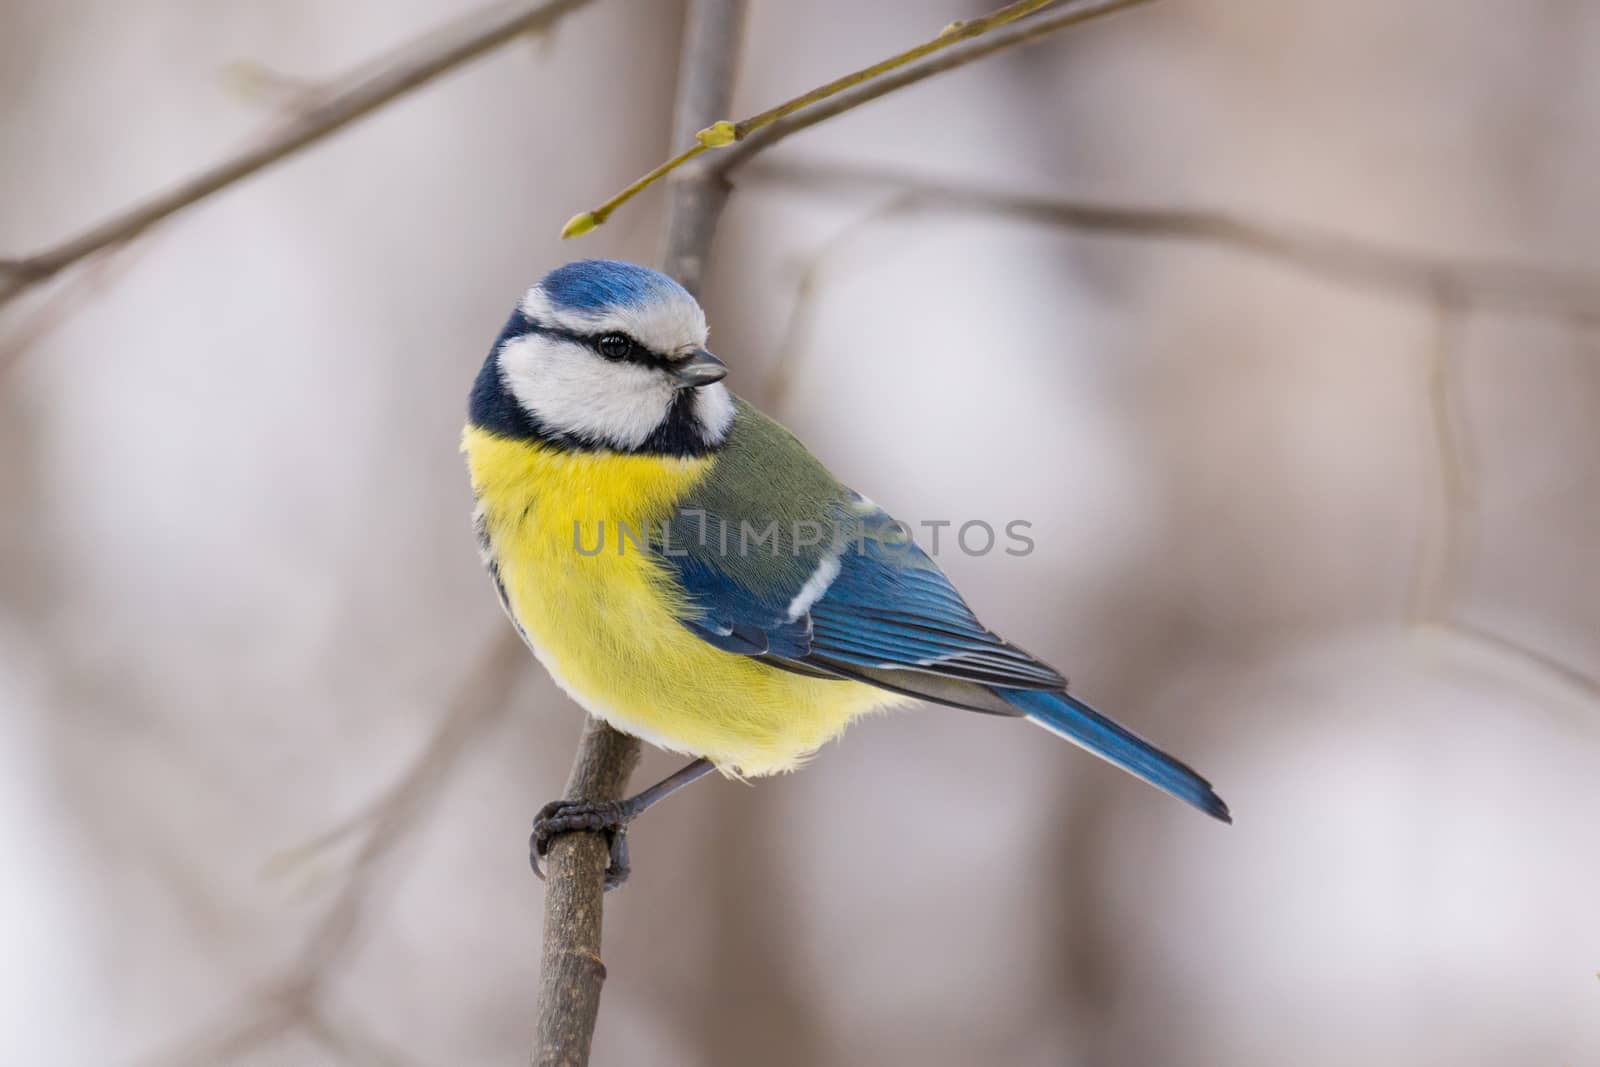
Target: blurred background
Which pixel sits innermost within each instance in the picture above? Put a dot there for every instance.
(1308, 431)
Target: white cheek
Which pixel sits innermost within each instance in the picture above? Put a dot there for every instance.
(713, 409)
(571, 390)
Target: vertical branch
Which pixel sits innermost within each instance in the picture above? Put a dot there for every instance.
(1445, 553)
(571, 969)
(695, 198)
(573, 973)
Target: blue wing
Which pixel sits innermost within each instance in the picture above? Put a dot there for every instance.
(737, 618)
(869, 606)
(871, 600)
(881, 612)
(890, 607)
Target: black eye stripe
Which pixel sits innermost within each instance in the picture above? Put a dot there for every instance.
(637, 352)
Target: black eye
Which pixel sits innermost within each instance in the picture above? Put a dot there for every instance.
(615, 346)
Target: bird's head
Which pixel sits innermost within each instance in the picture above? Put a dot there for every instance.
(607, 355)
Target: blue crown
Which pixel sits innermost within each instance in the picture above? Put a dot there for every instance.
(596, 284)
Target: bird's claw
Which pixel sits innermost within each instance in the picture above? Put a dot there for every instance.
(576, 816)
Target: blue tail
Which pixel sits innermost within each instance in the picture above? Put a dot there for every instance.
(1083, 726)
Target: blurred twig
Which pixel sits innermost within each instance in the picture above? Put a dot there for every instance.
(852, 90)
(1451, 287)
(1443, 557)
(439, 50)
(232, 1040)
(1570, 679)
(572, 974)
(1444, 561)
(294, 1002)
(350, 1044)
(813, 273)
(480, 700)
(62, 303)
(1338, 257)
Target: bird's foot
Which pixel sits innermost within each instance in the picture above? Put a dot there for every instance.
(609, 817)
(576, 816)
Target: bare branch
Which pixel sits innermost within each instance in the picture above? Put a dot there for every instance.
(437, 52)
(61, 304)
(1340, 258)
(868, 83)
(779, 380)
(1452, 288)
(1071, 14)
(573, 973)
(232, 1039)
(706, 73)
(1443, 557)
(1581, 684)
(348, 1043)
(481, 699)
(294, 1002)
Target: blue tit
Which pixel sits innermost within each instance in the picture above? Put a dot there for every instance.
(687, 571)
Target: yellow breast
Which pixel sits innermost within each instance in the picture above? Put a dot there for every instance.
(606, 624)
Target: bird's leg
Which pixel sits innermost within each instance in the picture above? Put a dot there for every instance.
(610, 817)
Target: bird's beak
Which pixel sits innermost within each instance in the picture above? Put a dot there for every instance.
(701, 368)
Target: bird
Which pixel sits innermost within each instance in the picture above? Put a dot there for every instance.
(688, 572)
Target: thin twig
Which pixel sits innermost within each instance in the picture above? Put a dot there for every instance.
(1443, 558)
(779, 379)
(868, 83)
(437, 52)
(295, 999)
(1450, 286)
(348, 1043)
(573, 973)
(478, 701)
(1034, 29)
(1337, 257)
(961, 30)
(1580, 685)
(230, 1041)
(1445, 565)
(62, 303)
(481, 699)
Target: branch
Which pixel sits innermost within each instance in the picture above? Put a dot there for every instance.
(1450, 287)
(59, 306)
(1340, 258)
(296, 1000)
(779, 379)
(694, 203)
(1446, 544)
(1071, 14)
(437, 52)
(573, 973)
(1446, 551)
(869, 83)
(1577, 684)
